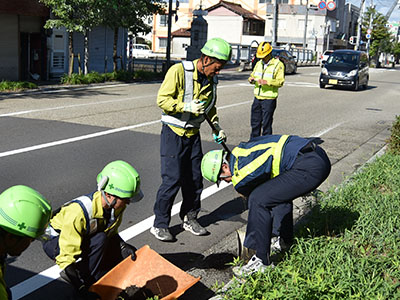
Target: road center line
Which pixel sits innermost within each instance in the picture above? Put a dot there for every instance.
(45, 277)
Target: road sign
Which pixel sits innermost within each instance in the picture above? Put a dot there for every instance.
(322, 5)
(369, 30)
(368, 36)
(331, 5)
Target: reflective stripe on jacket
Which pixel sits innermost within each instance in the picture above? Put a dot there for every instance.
(180, 86)
(274, 73)
(3, 286)
(71, 224)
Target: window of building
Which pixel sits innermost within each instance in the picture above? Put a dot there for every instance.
(163, 20)
(270, 1)
(252, 27)
(162, 42)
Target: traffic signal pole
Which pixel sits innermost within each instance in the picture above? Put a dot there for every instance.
(360, 18)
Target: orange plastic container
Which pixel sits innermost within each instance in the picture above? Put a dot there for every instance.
(150, 270)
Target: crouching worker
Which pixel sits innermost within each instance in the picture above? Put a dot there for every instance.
(24, 215)
(83, 235)
(271, 171)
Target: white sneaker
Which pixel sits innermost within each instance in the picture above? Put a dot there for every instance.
(254, 265)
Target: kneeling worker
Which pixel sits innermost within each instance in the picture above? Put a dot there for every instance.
(83, 235)
(271, 171)
(24, 215)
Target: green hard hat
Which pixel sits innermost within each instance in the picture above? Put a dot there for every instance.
(218, 48)
(211, 165)
(120, 179)
(23, 211)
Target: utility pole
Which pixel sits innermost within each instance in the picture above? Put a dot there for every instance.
(169, 35)
(357, 46)
(370, 25)
(275, 24)
(305, 27)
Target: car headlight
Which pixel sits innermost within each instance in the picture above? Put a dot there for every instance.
(353, 73)
(324, 71)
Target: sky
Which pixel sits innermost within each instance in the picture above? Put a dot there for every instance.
(382, 6)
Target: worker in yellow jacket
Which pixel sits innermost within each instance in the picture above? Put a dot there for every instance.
(268, 76)
(83, 234)
(24, 215)
(186, 94)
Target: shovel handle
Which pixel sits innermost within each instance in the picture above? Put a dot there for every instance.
(215, 129)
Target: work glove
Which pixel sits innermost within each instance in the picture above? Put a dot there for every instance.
(219, 135)
(127, 250)
(195, 106)
(71, 275)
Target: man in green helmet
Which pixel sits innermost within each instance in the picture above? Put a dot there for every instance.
(83, 234)
(271, 171)
(186, 94)
(24, 215)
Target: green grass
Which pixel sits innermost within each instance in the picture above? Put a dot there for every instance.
(6, 86)
(350, 246)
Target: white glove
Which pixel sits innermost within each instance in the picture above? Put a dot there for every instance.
(195, 106)
(219, 135)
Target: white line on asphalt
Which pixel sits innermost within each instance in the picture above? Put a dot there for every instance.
(91, 135)
(322, 132)
(70, 106)
(45, 277)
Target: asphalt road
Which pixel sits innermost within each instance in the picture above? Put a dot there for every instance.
(57, 141)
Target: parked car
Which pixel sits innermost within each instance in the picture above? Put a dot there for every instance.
(287, 58)
(325, 56)
(347, 68)
(284, 56)
(140, 51)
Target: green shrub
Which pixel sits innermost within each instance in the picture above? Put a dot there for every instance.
(6, 85)
(394, 140)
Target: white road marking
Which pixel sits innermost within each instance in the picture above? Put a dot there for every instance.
(45, 277)
(322, 132)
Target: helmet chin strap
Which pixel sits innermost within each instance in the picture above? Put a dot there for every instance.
(203, 65)
(111, 205)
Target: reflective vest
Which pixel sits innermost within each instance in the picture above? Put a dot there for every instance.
(187, 119)
(255, 162)
(265, 71)
(85, 202)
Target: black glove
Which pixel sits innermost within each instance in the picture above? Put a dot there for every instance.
(84, 293)
(127, 250)
(71, 275)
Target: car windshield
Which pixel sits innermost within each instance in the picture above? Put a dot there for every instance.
(343, 58)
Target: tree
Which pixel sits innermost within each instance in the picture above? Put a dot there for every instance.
(380, 36)
(75, 16)
(129, 14)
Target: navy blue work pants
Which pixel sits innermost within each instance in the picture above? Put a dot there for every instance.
(180, 169)
(99, 255)
(262, 113)
(270, 203)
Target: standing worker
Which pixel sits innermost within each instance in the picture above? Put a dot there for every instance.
(186, 94)
(271, 171)
(83, 234)
(268, 76)
(24, 215)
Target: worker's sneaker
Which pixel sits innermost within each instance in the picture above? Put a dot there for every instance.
(254, 265)
(278, 244)
(193, 226)
(162, 234)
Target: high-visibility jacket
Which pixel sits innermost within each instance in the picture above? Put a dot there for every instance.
(274, 73)
(262, 159)
(181, 86)
(71, 223)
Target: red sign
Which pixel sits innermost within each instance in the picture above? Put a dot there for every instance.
(322, 5)
(331, 5)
